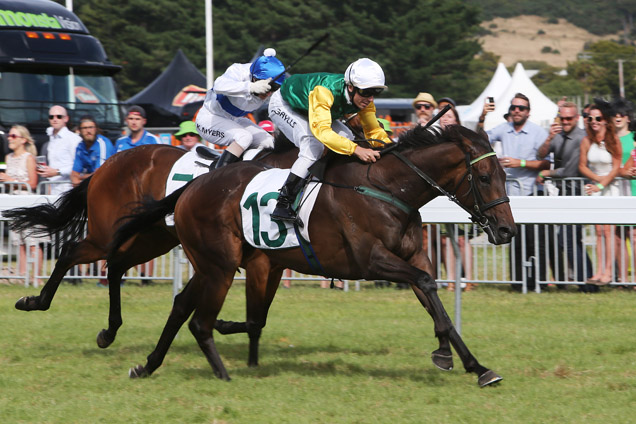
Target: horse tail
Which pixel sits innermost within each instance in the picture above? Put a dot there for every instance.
(67, 214)
(143, 217)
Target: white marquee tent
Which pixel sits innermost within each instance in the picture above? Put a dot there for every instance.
(500, 80)
(503, 87)
(542, 109)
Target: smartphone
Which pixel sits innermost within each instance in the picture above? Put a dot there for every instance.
(491, 100)
(40, 162)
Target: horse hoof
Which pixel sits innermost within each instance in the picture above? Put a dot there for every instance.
(26, 303)
(103, 341)
(488, 378)
(138, 372)
(442, 361)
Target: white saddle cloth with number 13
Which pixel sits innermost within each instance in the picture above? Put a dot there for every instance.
(258, 203)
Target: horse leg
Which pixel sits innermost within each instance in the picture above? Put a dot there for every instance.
(107, 336)
(425, 288)
(215, 286)
(428, 287)
(145, 247)
(261, 286)
(73, 253)
(183, 306)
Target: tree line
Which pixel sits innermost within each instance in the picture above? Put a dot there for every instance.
(422, 46)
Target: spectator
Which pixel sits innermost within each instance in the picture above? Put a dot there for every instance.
(243, 88)
(424, 105)
(520, 142)
(441, 103)
(268, 126)
(386, 126)
(188, 136)
(452, 118)
(564, 141)
(92, 152)
(623, 117)
(627, 171)
(135, 121)
(60, 151)
(489, 106)
(306, 110)
(21, 167)
(600, 162)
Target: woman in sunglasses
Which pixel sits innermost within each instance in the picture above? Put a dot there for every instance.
(243, 88)
(21, 167)
(306, 110)
(600, 162)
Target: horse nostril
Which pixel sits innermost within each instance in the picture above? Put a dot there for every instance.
(506, 233)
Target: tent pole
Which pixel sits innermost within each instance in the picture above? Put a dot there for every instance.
(209, 58)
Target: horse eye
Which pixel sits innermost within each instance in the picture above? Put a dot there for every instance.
(484, 178)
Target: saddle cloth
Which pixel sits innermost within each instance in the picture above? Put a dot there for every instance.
(187, 168)
(258, 203)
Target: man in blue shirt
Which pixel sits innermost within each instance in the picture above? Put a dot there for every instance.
(136, 120)
(520, 141)
(91, 152)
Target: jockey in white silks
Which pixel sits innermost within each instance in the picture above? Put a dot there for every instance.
(242, 89)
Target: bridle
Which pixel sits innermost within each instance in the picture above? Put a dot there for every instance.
(479, 207)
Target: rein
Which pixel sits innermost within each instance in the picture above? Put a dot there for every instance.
(476, 215)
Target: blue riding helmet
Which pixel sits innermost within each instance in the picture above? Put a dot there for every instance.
(267, 66)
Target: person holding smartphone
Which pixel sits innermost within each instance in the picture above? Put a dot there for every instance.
(60, 151)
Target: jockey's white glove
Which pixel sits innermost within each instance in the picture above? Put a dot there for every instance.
(260, 86)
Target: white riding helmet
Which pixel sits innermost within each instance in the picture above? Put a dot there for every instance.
(365, 73)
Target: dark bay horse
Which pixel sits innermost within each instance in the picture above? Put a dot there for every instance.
(98, 204)
(354, 236)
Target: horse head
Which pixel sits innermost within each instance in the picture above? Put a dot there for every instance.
(463, 167)
(480, 186)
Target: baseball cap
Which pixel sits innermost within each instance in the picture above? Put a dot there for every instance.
(267, 125)
(138, 110)
(447, 100)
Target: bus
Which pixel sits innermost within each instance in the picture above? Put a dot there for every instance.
(48, 57)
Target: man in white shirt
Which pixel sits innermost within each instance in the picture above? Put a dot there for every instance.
(60, 151)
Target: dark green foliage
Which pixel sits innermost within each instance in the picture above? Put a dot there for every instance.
(424, 46)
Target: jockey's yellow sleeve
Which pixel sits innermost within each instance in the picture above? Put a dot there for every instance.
(320, 101)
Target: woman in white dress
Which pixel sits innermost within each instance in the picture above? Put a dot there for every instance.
(21, 168)
(600, 162)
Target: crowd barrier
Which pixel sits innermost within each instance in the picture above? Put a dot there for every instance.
(448, 233)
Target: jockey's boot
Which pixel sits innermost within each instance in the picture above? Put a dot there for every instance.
(225, 159)
(286, 197)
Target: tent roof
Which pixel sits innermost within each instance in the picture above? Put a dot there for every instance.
(542, 109)
(179, 84)
(495, 88)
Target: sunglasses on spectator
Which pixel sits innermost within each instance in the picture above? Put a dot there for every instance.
(56, 116)
(14, 136)
(190, 135)
(567, 118)
(518, 107)
(591, 118)
(369, 92)
(426, 106)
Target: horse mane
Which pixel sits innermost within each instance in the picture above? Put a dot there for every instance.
(423, 137)
(281, 143)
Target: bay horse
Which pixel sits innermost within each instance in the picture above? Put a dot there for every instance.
(99, 203)
(353, 236)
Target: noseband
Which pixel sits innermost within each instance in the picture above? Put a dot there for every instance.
(477, 211)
